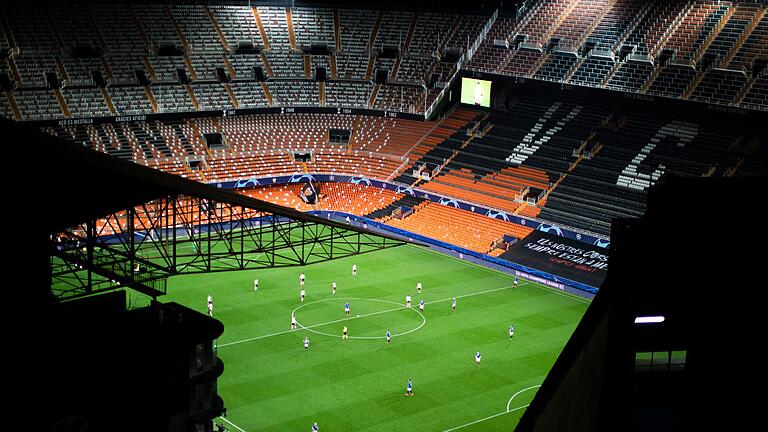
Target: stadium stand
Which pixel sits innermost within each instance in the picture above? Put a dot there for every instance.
(85, 102)
(237, 24)
(343, 197)
(354, 199)
(398, 98)
(387, 135)
(547, 157)
(313, 26)
(130, 100)
(347, 94)
(663, 48)
(249, 94)
(438, 135)
(172, 98)
(383, 214)
(38, 105)
(299, 93)
(468, 230)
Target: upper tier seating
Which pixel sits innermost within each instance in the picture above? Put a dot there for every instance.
(661, 48)
(631, 38)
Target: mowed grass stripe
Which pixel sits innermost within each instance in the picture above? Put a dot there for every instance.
(274, 385)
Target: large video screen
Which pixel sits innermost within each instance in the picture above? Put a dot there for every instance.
(476, 92)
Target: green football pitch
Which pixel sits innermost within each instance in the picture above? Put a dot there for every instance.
(271, 383)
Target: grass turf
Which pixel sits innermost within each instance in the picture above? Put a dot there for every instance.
(271, 383)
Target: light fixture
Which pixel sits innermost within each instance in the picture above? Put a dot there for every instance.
(649, 319)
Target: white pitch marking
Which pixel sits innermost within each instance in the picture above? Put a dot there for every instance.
(423, 318)
(523, 390)
(535, 285)
(484, 419)
(233, 425)
(362, 316)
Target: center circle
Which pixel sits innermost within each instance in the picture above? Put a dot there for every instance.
(401, 307)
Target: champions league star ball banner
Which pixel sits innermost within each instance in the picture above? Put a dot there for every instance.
(561, 256)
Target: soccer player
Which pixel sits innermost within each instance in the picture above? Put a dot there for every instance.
(333, 286)
(306, 343)
(511, 331)
(344, 333)
(301, 279)
(346, 308)
(256, 284)
(303, 293)
(453, 304)
(210, 299)
(314, 427)
(408, 301)
(409, 388)
(478, 94)
(421, 305)
(354, 269)
(293, 322)
(418, 287)
(477, 358)
(210, 309)
(389, 337)
(514, 283)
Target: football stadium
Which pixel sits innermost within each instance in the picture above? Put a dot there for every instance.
(414, 216)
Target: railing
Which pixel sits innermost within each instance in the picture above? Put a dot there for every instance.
(399, 169)
(467, 56)
(602, 53)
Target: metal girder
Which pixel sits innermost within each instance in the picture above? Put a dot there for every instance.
(140, 247)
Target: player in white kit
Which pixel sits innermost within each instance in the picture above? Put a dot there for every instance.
(408, 301)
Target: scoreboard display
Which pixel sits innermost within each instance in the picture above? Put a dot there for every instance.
(476, 92)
